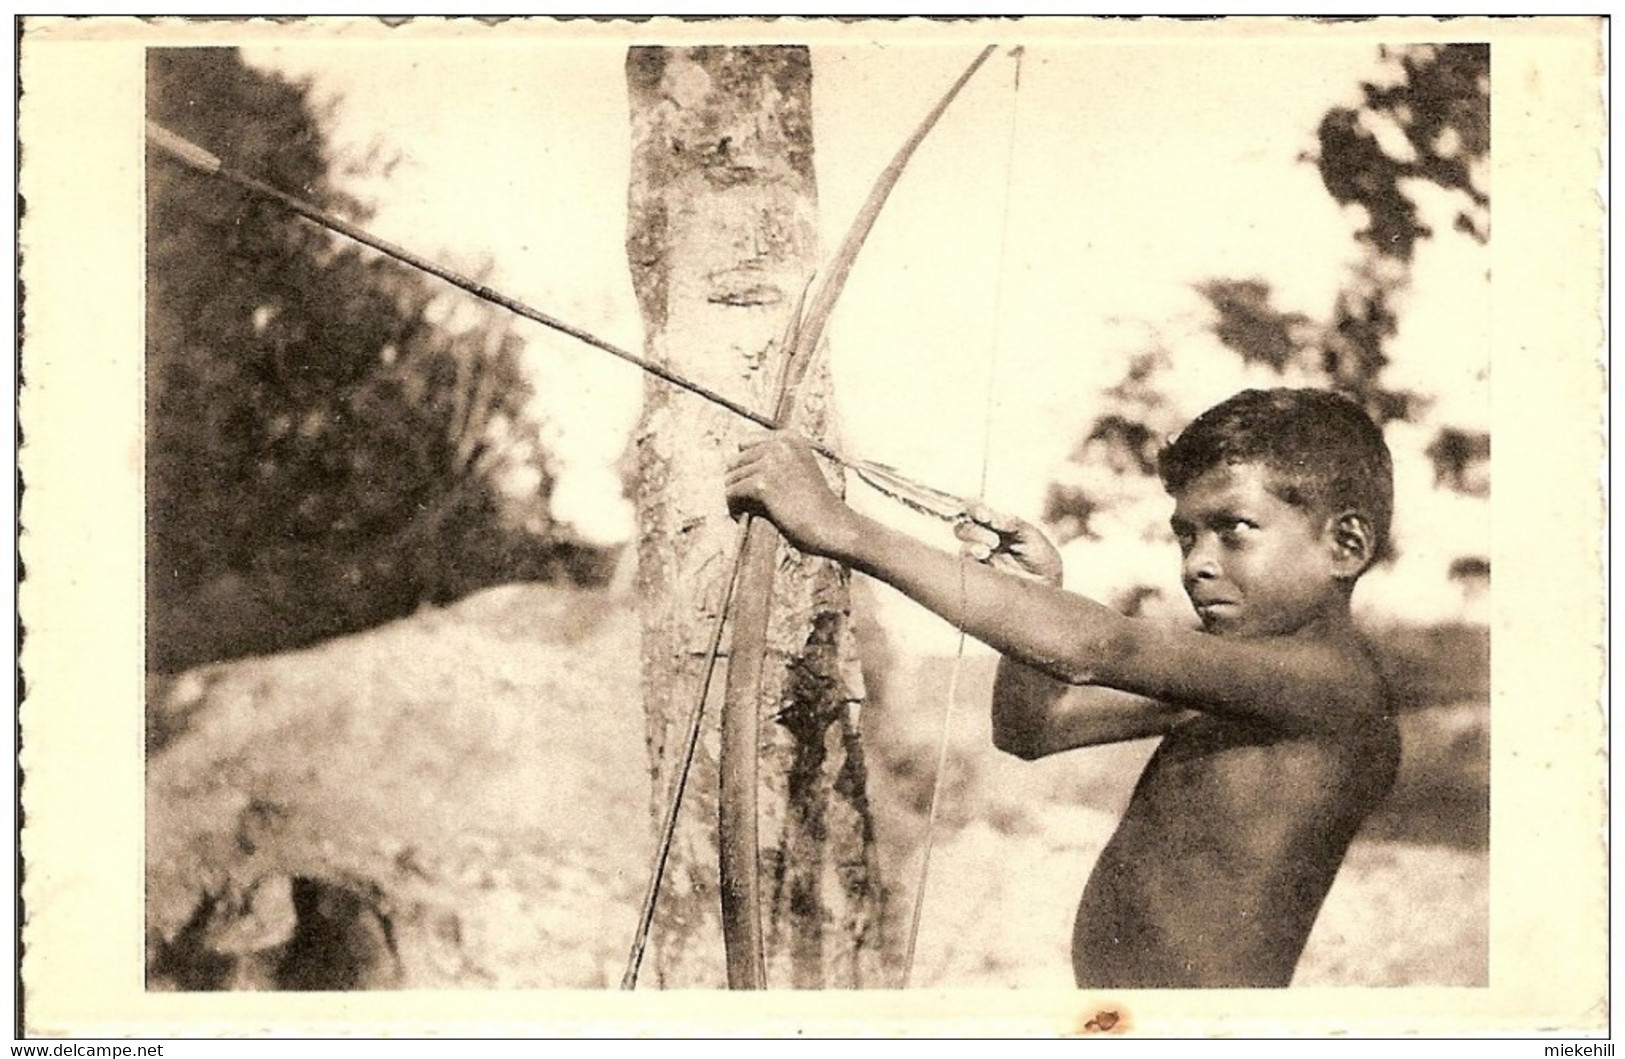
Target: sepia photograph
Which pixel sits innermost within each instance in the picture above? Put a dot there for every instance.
(993, 507)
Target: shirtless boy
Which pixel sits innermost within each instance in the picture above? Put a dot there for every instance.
(1278, 741)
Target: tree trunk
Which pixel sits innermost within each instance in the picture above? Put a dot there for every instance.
(722, 239)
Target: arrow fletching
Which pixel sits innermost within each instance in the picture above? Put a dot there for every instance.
(890, 482)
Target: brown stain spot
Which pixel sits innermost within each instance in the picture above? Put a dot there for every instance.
(1112, 1019)
(645, 66)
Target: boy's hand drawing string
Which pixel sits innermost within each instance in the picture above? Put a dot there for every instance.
(886, 480)
(754, 561)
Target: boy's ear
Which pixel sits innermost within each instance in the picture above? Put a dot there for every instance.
(1353, 544)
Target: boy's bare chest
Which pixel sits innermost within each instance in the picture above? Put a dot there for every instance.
(1247, 782)
(1227, 848)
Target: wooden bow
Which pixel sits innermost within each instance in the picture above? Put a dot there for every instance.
(739, 862)
(752, 581)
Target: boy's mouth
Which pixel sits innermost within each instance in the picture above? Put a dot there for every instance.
(1214, 609)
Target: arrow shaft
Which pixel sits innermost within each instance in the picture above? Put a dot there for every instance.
(197, 158)
(916, 495)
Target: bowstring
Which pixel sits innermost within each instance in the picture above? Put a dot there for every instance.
(943, 736)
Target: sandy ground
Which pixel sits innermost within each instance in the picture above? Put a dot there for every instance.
(509, 728)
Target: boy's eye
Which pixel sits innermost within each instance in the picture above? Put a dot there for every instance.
(1235, 529)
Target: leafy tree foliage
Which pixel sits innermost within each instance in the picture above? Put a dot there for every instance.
(1439, 108)
(1428, 125)
(322, 453)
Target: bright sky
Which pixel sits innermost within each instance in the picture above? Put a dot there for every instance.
(1136, 170)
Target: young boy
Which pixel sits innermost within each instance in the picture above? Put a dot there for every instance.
(1277, 738)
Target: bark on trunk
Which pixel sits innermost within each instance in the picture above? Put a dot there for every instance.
(722, 240)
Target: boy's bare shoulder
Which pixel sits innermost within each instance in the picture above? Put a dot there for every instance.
(1327, 682)
(1338, 673)
(1344, 664)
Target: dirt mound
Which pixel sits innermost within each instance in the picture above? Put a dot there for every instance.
(456, 799)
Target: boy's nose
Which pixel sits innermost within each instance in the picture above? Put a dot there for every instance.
(1201, 563)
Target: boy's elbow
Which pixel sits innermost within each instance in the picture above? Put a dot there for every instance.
(1016, 738)
(1021, 746)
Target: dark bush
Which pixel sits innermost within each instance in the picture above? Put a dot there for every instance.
(321, 455)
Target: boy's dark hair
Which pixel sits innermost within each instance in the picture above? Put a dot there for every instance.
(1322, 451)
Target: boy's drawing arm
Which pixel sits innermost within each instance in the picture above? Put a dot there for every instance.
(1035, 715)
(1297, 683)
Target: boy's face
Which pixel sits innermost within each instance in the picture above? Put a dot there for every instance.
(1254, 564)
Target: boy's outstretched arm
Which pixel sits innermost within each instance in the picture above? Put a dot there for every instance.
(1033, 622)
(1294, 682)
